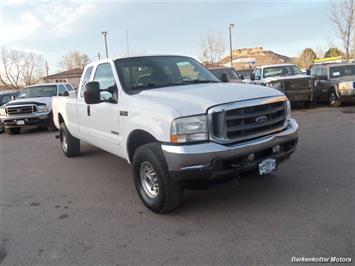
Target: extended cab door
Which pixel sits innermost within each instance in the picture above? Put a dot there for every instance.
(104, 128)
(82, 108)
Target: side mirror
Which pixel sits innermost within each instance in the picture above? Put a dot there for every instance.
(308, 72)
(252, 76)
(224, 77)
(241, 77)
(323, 77)
(66, 93)
(92, 92)
(13, 97)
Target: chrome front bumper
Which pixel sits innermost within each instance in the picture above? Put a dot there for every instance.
(199, 157)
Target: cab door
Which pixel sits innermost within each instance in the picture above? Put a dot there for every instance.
(104, 129)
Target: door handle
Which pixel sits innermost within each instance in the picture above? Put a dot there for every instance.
(88, 110)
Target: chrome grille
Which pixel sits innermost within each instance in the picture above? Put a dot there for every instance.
(23, 109)
(244, 121)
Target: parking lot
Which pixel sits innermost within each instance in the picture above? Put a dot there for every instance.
(85, 210)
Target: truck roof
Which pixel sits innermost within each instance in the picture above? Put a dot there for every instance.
(49, 84)
(326, 65)
(275, 65)
(110, 59)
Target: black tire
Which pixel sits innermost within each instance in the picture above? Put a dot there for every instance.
(334, 100)
(70, 145)
(13, 130)
(170, 192)
(1, 128)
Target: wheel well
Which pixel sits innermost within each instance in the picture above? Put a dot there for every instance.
(60, 119)
(136, 139)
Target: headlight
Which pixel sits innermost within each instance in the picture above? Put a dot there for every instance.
(288, 110)
(342, 86)
(2, 112)
(42, 108)
(275, 85)
(189, 129)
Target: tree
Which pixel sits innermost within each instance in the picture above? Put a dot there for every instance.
(306, 58)
(19, 68)
(333, 52)
(213, 48)
(342, 16)
(74, 59)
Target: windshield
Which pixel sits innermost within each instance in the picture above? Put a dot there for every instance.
(230, 72)
(281, 71)
(341, 71)
(39, 91)
(141, 73)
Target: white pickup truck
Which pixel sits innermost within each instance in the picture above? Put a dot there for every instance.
(175, 122)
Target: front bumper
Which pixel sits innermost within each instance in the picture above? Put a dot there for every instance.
(212, 161)
(30, 120)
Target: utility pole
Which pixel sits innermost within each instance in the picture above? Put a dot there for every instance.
(230, 43)
(104, 33)
(127, 43)
(47, 68)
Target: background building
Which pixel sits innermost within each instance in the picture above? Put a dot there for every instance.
(70, 76)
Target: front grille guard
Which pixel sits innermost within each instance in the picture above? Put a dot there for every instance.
(221, 110)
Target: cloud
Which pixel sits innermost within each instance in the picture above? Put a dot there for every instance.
(21, 20)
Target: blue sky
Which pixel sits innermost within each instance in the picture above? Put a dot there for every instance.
(54, 28)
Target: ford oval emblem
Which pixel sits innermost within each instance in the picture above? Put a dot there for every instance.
(261, 119)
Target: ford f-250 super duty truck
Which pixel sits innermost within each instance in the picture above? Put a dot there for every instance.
(175, 122)
(33, 107)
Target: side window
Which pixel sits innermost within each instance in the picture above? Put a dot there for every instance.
(104, 76)
(5, 99)
(61, 90)
(324, 72)
(318, 72)
(313, 71)
(257, 73)
(69, 87)
(86, 78)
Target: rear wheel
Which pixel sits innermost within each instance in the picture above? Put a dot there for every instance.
(13, 130)
(157, 190)
(70, 145)
(1, 127)
(334, 100)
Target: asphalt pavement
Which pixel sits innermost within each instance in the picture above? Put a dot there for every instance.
(85, 211)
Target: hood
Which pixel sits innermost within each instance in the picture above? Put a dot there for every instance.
(279, 78)
(197, 98)
(36, 100)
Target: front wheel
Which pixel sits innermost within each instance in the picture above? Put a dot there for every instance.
(334, 100)
(1, 127)
(13, 130)
(157, 190)
(70, 145)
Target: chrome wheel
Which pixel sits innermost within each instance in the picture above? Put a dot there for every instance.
(149, 179)
(64, 143)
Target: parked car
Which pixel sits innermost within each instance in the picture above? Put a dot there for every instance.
(226, 74)
(334, 83)
(178, 124)
(287, 78)
(33, 107)
(5, 97)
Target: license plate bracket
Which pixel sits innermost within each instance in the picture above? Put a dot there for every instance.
(267, 166)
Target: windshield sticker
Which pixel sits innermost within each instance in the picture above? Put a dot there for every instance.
(336, 74)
